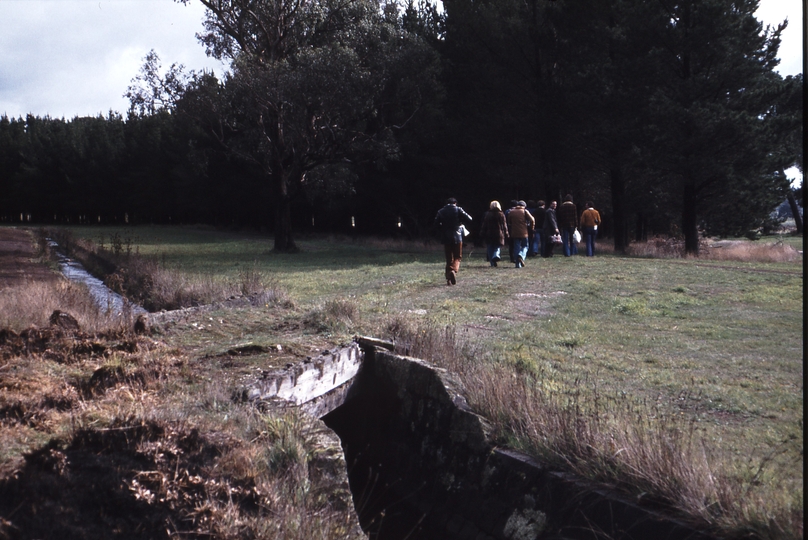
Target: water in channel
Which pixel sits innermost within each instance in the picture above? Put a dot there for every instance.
(106, 299)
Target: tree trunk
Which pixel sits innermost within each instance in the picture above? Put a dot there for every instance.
(795, 210)
(640, 232)
(689, 220)
(283, 212)
(618, 188)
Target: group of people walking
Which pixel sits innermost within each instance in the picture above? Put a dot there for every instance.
(526, 231)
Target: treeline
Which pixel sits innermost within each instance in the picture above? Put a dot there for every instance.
(142, 169)
(365, 117)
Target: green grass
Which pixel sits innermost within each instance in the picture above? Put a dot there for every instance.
(717, 342)
(643, 321)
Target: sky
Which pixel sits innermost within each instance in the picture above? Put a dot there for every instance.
(67, 58)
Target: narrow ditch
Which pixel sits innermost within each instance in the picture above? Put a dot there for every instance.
(106, 299)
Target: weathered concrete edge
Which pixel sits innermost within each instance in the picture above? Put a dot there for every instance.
(575, 498)
(320, 385)
(301, 383)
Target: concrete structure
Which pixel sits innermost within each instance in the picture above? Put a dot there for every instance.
(421, 464)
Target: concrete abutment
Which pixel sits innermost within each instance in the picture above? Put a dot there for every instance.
(422, 465)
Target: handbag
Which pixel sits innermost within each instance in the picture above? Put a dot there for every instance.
(577, 236)
(556, 238)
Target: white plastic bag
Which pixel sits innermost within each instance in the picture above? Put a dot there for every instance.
(577, 236)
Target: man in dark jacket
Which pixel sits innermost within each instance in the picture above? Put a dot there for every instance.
(450, 221)
(567, 215)
(537, 247)
(550, 229)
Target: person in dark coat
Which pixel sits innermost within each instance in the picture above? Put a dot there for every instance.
(513, 205)
(450, 220)
(567, 215)
(537, 246)
(494, 232)
(550, 229)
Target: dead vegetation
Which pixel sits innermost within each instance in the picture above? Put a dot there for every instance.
(31, 303)
(147, 282)
(110, 435)
(667, 247)
(752, 252)
(640, 448)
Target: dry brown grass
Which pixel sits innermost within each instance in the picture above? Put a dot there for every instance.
(165, 455)
(751, 252)
(335, 316)
(32, 303)
(726, 250)
(637, 447)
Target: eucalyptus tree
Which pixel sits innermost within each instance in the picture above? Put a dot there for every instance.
(311, 83)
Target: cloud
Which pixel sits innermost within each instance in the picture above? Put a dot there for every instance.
(774, 12)
(66, 58)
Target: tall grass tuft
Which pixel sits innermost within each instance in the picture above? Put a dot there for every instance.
(752, 252)
(664, 247)
(335, 316)
(636, 446)
(32, 303)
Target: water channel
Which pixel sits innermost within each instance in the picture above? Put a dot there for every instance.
(107, 300)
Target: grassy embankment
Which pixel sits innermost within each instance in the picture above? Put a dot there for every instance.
(679, 378)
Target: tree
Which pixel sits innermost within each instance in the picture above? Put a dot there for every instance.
(312, 83)
(506, 103)
(787, 131)
(606, 74)
(709, 113)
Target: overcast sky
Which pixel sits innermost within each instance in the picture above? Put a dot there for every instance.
(67, 58)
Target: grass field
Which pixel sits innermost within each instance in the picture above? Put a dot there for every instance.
(710, 348)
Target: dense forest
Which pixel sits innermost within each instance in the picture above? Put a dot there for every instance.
(356, 115)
